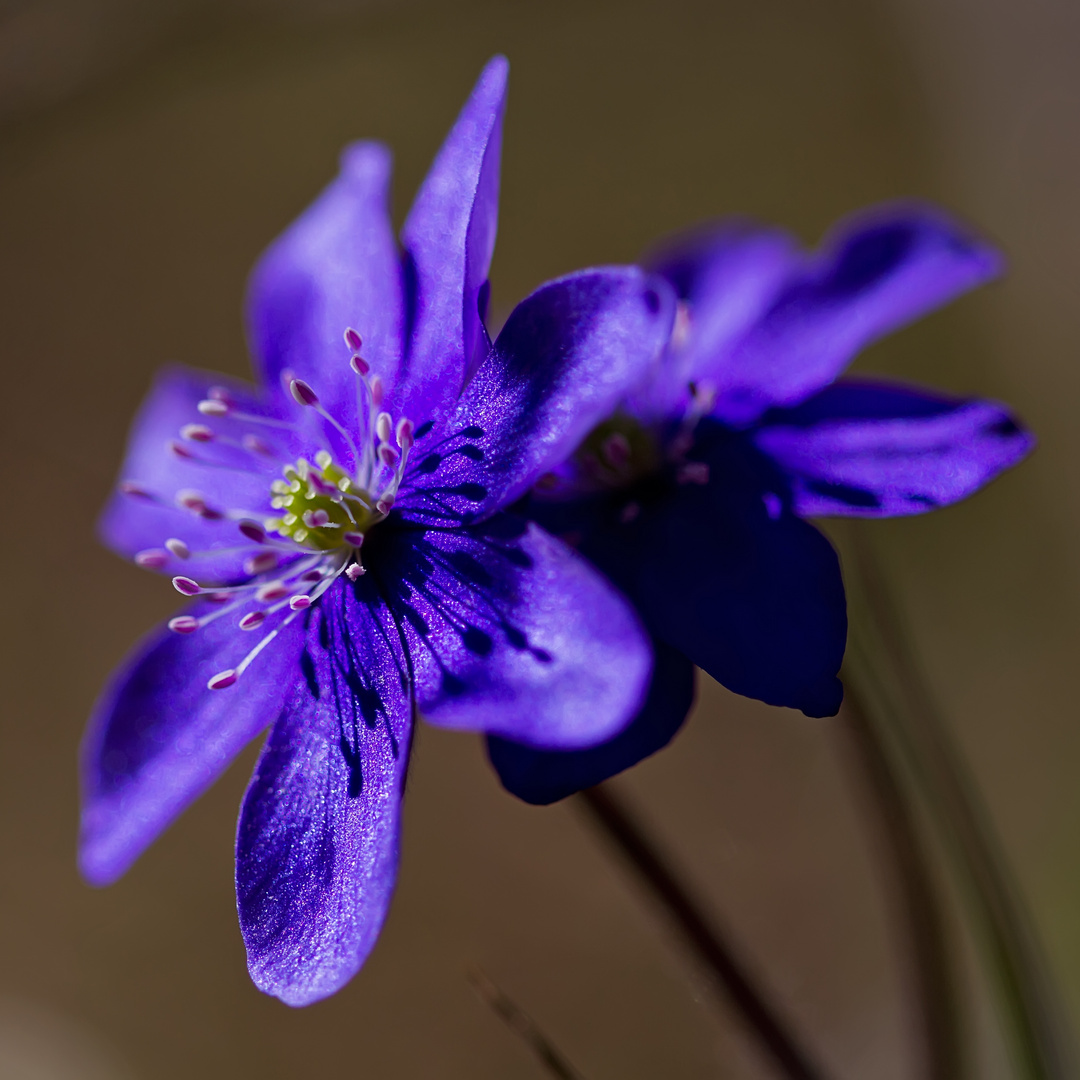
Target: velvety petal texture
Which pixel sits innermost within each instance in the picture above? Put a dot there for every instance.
(336, 266)
(545, 776)
(134, 523)
(510, 632)
(449, 237)
(879, 450)
(158, 737)
(566, 357)
(317, 843)
(879, 271)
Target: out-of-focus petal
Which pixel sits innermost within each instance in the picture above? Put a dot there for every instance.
(566, 357)
(512, 633)
(876, 450)
(725, 275)
(449, 237)
(133, 523)
(317, 843)
(158, 737)
(337, 266)
(545, 776)
(879, 271)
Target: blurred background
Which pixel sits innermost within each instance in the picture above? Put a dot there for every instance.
(149, 150)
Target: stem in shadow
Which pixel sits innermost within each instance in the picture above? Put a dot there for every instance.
(620, 826)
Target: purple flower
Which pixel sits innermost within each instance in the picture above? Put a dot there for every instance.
(341, 532)
(693, 495)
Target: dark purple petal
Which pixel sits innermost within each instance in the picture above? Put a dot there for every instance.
(336, 267)
(879, 271)
(566, 357)
(158, 737)
(317, 844)
(239, 481)
(724, 572)
(512, 633)
(545, 776)
(725, 275)
(877, 450)
(449, 237)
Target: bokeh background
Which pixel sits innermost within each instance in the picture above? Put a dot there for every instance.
(149, 150)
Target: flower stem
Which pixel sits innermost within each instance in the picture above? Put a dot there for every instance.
(620, 826)
(889, 679)
(522, 1025)
(935, 997)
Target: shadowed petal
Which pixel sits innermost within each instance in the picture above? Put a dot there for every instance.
(512, 633)
(158, 737)
(545, 776)
(132, 524)
(336, 266)
(449, 237)
(878, 450)
(725, 275)
(317, 843)
(565, 358)
(880, 271)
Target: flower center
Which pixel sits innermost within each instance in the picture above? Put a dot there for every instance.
(323, 507)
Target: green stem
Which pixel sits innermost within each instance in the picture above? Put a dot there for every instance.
(886, 674)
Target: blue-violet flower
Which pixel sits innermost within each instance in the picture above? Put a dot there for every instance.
(693, 495)
(342, 534)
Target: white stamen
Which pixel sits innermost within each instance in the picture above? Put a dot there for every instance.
(253, 531)
(223, 679)
(302, 393)
(354, 539)
(213, 407)
(298, 603)
(353, 340)
(178, 548)
(355, 571)
(259, 564)
(272, 590)
(387, 454)
(252, 620)
(359, 365)
(186, 586)
(404, 433)
(377, 390)
(316, 519)
(151, 558)
(183, 624)
(196, 433)
(383, 426)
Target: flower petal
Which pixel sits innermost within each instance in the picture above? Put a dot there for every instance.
(133, 523)
(511, 633)
(158, 737)
(449, 236)
(337, 266)
(566, 357)
(877, 450)
(879, 271)
(725, 275)
(542, 777)
(317, 843)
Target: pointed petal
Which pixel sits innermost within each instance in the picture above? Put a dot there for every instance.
(130, 524)
(317, 843)
(337, 266)
(449, 236)
(158, 737)
(878, 450)
(879, 271)
(512, 633)
(567, 356)
(542, 777)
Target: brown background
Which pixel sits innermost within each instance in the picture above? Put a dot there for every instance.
(147, 153)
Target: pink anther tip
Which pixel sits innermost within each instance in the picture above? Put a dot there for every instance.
(253, 531)
(222, 679)
(298, 603)
(302, 393)
(213, 407)
(178, 548)
(353, 340)
(151, 558)
(359, 365)
(184, 624)
(353, 539)
(252, 620)
(196, 433)
(186, 586)
(272, 590)
(260, 563)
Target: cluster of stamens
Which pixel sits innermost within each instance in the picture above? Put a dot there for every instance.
(323, 509)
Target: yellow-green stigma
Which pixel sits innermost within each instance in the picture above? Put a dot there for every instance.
(322, 508)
